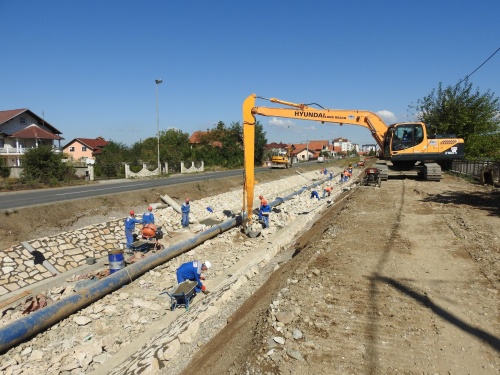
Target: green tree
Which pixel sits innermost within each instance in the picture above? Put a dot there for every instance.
(174, 146)
(223, 145)
(4, 170)
(260, 143)
(41, 164)
(109, 162)
(465, 112)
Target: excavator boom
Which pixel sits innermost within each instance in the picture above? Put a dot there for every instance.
(366, 119)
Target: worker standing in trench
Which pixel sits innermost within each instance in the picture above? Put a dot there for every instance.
(264, 212)
(130, 222)
(148, 217)
(262, 199)
(185, 213)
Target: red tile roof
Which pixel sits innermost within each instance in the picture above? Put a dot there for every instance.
(318, 145)
(10, 114)
(92, 143)
(275, 145)
(95, 144)
(35, 132)
(195, 138)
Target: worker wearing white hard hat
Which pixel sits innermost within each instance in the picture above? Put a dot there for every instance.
(192, 271)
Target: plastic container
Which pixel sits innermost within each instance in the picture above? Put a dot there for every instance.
(116, 260)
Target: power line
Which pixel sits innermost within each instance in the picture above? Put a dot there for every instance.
(484, 62)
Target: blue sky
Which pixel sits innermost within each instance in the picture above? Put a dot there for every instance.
(89, 67)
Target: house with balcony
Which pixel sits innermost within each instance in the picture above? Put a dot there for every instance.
(21, 130)
(84, 149)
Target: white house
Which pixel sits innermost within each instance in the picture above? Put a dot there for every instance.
(20, 130)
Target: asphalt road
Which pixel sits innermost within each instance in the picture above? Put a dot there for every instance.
(20, 199)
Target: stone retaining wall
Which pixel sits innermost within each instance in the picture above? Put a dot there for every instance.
(63, 251)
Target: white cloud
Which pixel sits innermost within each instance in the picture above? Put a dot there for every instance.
(279, 124)
(387, 116)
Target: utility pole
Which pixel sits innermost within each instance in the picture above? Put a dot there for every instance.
(158, 81)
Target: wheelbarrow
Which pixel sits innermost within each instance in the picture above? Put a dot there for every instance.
(139, 245)
(182, 295)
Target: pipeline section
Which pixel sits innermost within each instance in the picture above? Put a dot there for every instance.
(23, 328)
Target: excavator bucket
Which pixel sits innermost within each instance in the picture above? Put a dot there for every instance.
(252, 230)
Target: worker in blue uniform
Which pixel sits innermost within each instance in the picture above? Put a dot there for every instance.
(130, 222)
(314, 194)
(192, 271)
(148, 217)
(185, 208)
(264, 212)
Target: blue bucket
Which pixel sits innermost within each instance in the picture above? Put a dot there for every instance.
(116, 261)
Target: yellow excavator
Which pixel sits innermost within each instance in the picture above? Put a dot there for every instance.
(403, 144)
(282, 159)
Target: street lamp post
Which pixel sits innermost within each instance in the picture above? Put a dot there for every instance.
(158, 81)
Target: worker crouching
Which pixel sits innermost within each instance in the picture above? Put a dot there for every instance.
(327, 191)
(314, 194)
(192, 271)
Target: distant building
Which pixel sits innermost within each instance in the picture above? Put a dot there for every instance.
(344, 145)
(20, 130)
(197, 137)
(310, 149)
(85, 149)
(368, 148)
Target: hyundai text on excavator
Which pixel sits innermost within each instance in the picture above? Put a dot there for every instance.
(403, 144)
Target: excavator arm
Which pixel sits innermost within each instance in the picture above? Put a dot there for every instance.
(366, 119)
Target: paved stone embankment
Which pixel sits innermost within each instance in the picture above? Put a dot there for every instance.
(115, 327)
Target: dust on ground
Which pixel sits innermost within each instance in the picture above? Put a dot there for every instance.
(398, 280)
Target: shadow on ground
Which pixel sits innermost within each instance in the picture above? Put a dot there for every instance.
(489, 201)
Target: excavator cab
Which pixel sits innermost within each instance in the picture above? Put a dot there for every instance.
(406, 136)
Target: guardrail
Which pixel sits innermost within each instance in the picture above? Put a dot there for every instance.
(485, 171)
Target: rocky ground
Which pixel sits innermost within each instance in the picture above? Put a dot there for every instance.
(398, 280)
(401, 279)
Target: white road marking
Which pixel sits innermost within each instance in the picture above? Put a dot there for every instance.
(110, 188)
